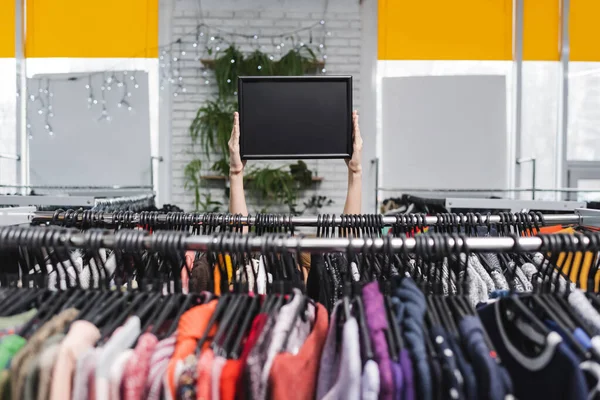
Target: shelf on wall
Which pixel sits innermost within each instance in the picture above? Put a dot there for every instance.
(210, 64)
(224, 178)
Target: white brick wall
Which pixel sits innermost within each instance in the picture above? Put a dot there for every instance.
(248, 17)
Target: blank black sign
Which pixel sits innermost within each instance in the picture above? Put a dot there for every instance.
(295, 117)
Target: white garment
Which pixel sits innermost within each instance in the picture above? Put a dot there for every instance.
(596, 343)
(286, 321)
(370, 383)
(592, 369)
(262, 277)
(355, 273)
(116, 374)
(120, 341)
(347, 384)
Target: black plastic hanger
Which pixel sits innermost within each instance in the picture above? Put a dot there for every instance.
(220, 309)
(236, 346)
(365, 339)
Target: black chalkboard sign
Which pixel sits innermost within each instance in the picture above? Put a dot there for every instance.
(295, 117)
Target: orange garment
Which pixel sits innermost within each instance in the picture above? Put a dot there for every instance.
(295, 376)
(568, 230)
(191, 327)
(217, 279)
(229, 376)
(550, 229)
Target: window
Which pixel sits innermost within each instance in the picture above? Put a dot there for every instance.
(8, 123)
(539, 125)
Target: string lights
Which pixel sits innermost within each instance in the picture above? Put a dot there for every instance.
(204, 41)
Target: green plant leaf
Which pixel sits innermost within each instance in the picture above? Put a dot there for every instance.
(191, 175)
(212, 125)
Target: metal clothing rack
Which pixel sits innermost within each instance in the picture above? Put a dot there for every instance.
(512, 205)
(585, 217)
(16, 215)
(77, 200)
(114, 204)
(142, 240)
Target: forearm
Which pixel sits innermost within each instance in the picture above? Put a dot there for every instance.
(354, 196)
(237, 197)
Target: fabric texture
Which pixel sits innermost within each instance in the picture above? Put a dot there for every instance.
(410, 306)
(252, 386)
(466, 370)
(82, 335)
(159, 362)
(375, 316)
(255, 333)
(286, 380)
(330, 360)
(19, 366)
(408, 385)
(229, 376)
(451, 375)
(121, 340)
(115, 375)
(585, 310)
(83, 381)
(191, 327)
(9, 346)
(138, 366)
(217, 368)
(478, 267)
(186, 381)
(485, 367)
(369, 381)
(204, 373)
(496, 271)
(201, 274)
(33, 385)
(17, 319)
(398, 380)
(286, 325)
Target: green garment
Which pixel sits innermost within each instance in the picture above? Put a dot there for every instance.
(9, 346)
(17, 319)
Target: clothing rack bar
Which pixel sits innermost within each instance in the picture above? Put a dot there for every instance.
(16, 215)
(513, 205)
(575, 218)
(59, 201)
(146, 241)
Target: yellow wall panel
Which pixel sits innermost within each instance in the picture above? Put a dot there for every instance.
(445, 30)
(541, 30)
(92, 29)
(584, 30)
(7, 28)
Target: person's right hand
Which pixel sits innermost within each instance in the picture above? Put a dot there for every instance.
(236, 165)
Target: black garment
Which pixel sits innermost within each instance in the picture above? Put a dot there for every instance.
(550, 371)
(493, 381)
(318, 283)
(437, 382)
(468, 374)
(451, 376)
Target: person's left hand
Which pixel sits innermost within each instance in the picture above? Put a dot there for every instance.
(354, 163)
